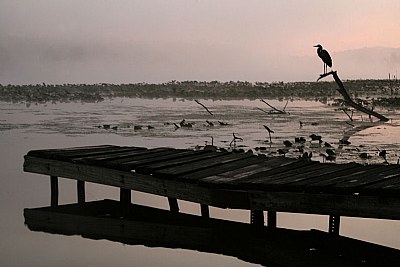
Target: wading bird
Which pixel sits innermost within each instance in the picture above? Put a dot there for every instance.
(324, 55)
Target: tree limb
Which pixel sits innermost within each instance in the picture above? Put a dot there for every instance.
(348, 99)
(277, 110)
(198, 102)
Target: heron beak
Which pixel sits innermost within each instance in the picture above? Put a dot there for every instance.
(315, 45)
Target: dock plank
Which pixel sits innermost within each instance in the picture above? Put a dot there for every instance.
(153, 167)
(151, 153)
(149, 165)
(333, 184)
(178, 170)
(253, 180)
(284, 181)
(124, 155)
(334, 175)
(381, 174)
(232, 178)
(81, 153)
(319, 173)
(67, 149)
(223, 168)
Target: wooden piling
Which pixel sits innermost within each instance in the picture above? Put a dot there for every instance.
(257, 217)
(271, 219)
(54, 191)
(125, 196)
(205, 211)
(125, 200)
(173, 204)
(81, 191)
(334, 224)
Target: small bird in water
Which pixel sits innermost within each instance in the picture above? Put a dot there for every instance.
(287, 143)
(324, 55)
(315, 137)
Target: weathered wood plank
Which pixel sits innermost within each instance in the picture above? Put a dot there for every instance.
(223, 168)
(315, 171)
(383, 187)
(48, 152)
(67, 149)
(354, 167)
(133, 163)
(286, 181)
(381, 174)
(111, 156)
(255, 180)
(150, 153)
(273, 177)
(334, 184)
(150, 166)
(178, 170)
(71, 155)
(229, 178)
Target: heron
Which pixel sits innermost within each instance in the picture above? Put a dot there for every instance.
(324, 55)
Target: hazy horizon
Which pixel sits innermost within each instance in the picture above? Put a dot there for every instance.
(158, 41)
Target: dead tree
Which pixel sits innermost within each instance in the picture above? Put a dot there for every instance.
(348, 99)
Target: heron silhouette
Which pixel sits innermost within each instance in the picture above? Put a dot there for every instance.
(324, 55)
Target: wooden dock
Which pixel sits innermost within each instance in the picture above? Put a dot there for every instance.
(228, 180)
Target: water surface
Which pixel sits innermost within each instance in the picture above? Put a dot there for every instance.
(25, 127)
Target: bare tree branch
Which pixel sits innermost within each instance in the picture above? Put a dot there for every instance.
(348, 99)
(198, 102)
(277, 110)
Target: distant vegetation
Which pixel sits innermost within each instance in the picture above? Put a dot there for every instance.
(381, 92)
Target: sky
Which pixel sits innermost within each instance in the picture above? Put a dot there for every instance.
(128, 41)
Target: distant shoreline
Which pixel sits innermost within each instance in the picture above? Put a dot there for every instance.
(376, 90)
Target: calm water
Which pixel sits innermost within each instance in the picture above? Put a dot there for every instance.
(23, 128)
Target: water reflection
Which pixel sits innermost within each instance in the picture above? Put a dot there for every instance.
(152, 227)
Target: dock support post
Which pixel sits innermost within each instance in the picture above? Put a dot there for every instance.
(81, 191)
(205, 211)
(334, 224)
(257, 217)
(125, 199)
(54, 191)
(173, 204)
(125, 196)
(271, 219)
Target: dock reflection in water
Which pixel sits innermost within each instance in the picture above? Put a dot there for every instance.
(139, 225)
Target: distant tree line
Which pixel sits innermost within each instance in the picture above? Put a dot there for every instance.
(320, 91)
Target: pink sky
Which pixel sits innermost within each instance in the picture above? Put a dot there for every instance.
(155, 41)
